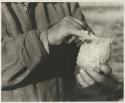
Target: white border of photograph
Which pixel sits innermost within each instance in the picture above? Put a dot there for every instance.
(118, 1)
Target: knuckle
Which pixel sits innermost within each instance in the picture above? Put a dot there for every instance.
(81, 84)
(64, 22)
(102, 79)
(87, 85)
(65, 19)
(92, 83)
(68, 18)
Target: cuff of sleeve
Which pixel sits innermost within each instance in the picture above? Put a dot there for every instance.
(44, 39)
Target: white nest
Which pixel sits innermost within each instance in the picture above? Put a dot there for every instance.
(94, 53)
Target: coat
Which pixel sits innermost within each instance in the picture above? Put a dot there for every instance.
(29, 72)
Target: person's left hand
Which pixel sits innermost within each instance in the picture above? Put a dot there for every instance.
(90, 77)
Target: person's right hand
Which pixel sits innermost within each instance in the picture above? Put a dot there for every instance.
(67, 27)
(88, 77)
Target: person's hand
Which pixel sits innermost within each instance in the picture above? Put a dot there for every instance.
(88, 77)
(68, 27)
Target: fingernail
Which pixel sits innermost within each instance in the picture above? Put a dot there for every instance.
(81, 70)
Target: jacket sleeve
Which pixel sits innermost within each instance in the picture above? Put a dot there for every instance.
(20, 55)
(76, 12)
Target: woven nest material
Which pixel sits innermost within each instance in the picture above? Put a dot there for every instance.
(94, 53)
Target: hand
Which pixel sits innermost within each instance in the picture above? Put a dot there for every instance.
(89, 77)
(67, 27)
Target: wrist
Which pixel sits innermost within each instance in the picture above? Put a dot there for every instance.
(50, 37)
(44, 39)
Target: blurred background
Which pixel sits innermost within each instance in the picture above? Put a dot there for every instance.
(107, 20)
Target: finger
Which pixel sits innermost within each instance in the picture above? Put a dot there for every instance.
(77, 40)
(85, 33)
(78, 21)
(69, 27)
(87, 77)
(81, 81)
(81, 39)
(74, 23)
(72, 30)
(71, 40)
(75, 32)
(96, 76)
(85, 36)
(106, 69)
(77, 69)
(79, 44)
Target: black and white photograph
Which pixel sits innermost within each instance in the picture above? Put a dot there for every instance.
(62, 51)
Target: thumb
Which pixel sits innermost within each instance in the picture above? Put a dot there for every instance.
(106, 69)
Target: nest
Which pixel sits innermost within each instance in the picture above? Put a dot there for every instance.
(94, 53)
